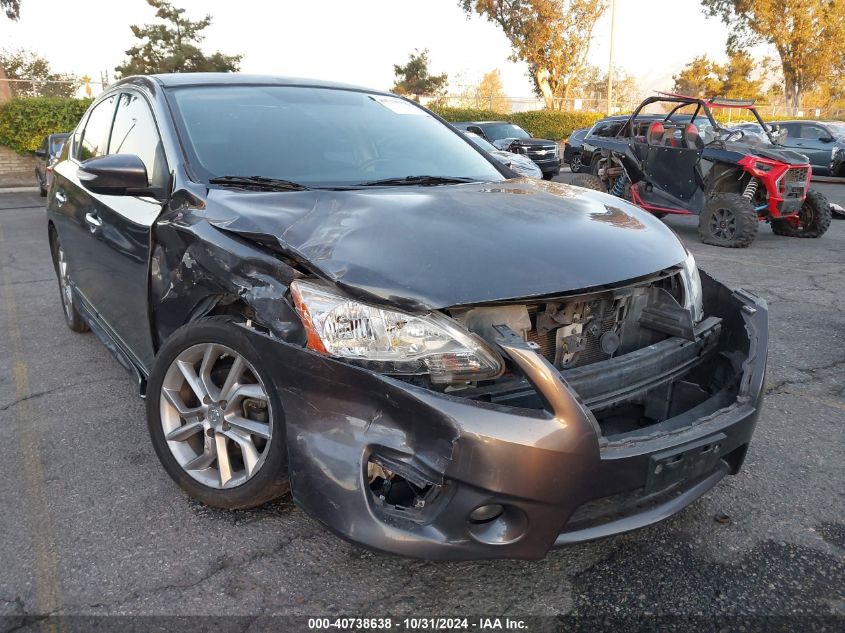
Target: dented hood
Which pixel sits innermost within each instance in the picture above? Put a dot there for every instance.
(435, 247)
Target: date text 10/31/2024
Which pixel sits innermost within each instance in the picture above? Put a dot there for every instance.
(418, 624)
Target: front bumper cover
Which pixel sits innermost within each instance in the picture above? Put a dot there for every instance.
(550, 468)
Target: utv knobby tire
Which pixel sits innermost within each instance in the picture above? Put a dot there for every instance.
(728, 220)
(814, 218)
(588, 181)
(271, 481)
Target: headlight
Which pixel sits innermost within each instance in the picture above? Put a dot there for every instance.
(392, 342)
(693, 297)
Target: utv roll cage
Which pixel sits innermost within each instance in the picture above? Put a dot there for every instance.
(704, 105)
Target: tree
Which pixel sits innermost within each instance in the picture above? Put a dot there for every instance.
(32, 76)
(699, 78)
(551, 36)
(414, 79)
(173, 47)
(738, 77)
(592, 84)
(703, 77)
(491, 93)
(12, 8)
(807, 35)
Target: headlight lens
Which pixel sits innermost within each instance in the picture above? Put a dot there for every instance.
(693, 297)
(392, 342)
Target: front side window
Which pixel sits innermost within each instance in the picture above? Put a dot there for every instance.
(95, 135)
(813, 132)
(135, 132)
(318, 136)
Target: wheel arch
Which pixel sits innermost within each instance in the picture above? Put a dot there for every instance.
(725, 178)
(198, 270)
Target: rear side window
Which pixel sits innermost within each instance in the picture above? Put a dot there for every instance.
(95, 136)
(135, 132)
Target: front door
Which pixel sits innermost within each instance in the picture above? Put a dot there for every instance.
(118, 228)
(806, 138)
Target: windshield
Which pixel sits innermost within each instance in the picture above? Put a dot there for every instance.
(837, 129)
(498, 131)
(481, 143)
(319, 136)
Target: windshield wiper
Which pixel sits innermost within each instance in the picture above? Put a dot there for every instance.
(258, 183)
(416, 180)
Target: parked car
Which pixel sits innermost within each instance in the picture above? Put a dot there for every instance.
(47, 154)
(325, 289)
(512, 138)
(732, 185)
(823, 142)
(520, 163)
(572, 149)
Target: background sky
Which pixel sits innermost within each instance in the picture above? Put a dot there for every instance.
(358, 41)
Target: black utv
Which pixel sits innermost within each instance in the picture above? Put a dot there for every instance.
(686, 163)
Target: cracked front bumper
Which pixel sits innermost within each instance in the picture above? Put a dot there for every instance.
(557, 477)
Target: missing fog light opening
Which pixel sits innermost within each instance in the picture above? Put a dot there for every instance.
(399, 493)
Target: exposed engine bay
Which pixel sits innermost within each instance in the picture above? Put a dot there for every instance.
(582, 329)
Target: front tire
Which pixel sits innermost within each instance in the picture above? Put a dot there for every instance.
(813, 219)
(588, 181)
(215, 417)
(728, 220)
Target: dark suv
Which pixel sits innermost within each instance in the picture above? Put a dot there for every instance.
(512, 138)
(326, 290)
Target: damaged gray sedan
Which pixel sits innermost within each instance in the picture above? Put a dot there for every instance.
(329, 291)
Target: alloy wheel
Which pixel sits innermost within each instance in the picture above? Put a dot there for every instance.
(575, 164)
(723, 224)
(216, 415)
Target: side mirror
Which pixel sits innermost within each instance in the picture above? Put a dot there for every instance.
(116, 175)
(827, 139)
(41, 153)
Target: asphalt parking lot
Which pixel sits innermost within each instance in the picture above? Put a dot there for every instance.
(91, 524)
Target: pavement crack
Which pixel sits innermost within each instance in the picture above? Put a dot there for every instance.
(219, 566)
(46, 392)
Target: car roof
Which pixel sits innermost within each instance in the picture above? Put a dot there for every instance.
(175, 80)
(484, 123)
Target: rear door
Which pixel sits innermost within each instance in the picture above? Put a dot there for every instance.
(70, 204)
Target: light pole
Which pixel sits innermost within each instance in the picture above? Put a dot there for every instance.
(610, 66)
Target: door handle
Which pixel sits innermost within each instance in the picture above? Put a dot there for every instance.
(61, 198)
(93, 221)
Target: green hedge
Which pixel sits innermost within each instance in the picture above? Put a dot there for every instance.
(25, 122)
(552, 124)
